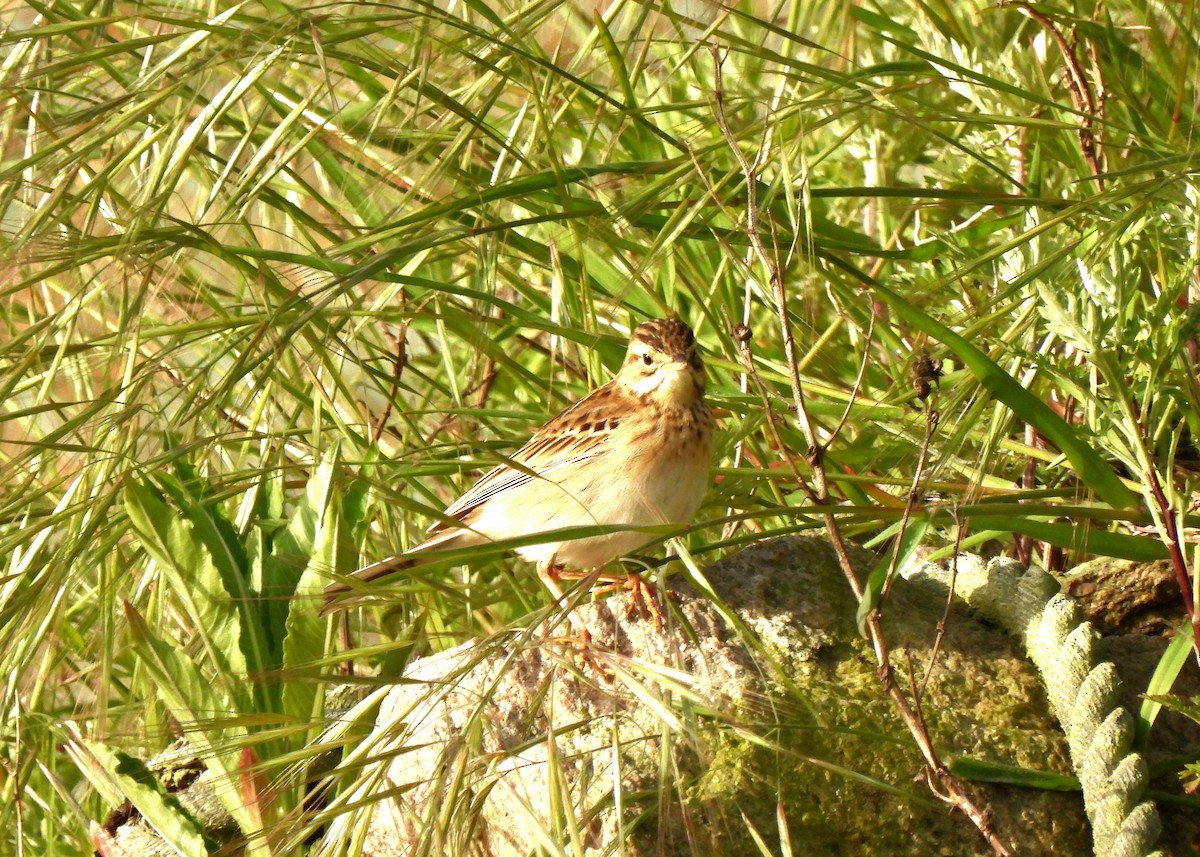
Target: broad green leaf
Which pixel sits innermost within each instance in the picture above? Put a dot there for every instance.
(161, 809)
(982, 771)
(209, 719)
(195, 582)
(304, 643)
(1161, 682)
(1078, 537)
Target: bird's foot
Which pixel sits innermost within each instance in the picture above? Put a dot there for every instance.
(643, 599)
(644, 596)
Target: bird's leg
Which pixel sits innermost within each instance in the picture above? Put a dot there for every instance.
(551, 576)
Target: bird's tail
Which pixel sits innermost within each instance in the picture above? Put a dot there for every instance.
(409, 559)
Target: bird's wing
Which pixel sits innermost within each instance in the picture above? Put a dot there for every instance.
(582, 431)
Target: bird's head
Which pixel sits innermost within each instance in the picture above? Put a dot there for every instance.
(662, 363)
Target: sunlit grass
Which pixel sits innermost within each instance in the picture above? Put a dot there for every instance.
(215, 228)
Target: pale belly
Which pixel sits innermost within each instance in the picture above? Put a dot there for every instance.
(665, 489)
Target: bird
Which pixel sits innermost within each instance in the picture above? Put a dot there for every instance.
(635, 452)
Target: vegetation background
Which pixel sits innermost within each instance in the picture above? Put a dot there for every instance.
(279, 280)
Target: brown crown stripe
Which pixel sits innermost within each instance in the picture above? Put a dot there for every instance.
(665, 335)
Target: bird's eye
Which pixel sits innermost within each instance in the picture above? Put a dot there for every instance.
(647, 360)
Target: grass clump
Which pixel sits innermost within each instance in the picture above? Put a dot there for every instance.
(280, 280)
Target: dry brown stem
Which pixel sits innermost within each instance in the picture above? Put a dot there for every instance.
(942, 782)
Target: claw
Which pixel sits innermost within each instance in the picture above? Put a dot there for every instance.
(644, 596)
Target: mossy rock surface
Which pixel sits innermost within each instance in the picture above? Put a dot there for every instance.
(713, 732)
(845, 771)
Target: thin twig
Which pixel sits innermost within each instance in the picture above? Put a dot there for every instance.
(857, 388)
(950, 787)
(940, 633)
(931, 423)
(742, 334)
(769, 263)
(1082, 96)
(399, 362)
(1175, 552)
(816, 452)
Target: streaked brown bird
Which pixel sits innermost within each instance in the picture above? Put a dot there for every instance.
(635, 452)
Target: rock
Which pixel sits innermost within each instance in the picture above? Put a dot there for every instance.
(1123, 596)
(756, 709)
